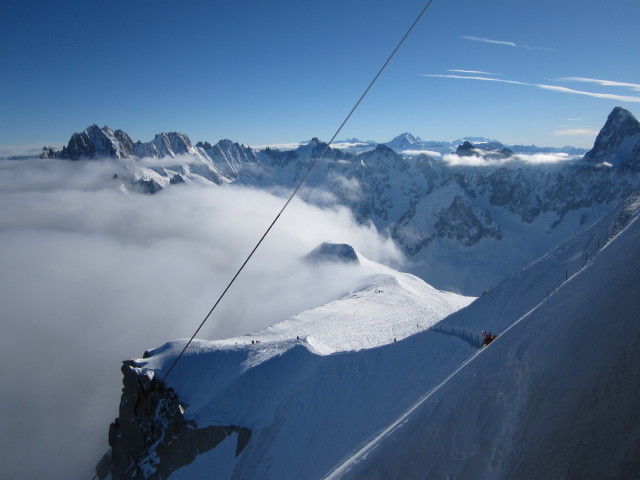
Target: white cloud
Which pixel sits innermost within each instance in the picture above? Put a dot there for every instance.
(466, 77)
(608, 96)
(501, 42)
(93, 275)
(604, 83)
(482, 161)
(421, 152)
(487, 40)
(351, 188)
(590, 132)
(31, 150)
(470, 161)
(528, 47)
(478, 72)
(549, 158)
(555, 88)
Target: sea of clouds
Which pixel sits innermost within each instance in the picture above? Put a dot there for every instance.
(93, 274)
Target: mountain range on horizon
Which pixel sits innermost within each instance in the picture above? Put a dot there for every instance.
(103, 142)
(451, 214)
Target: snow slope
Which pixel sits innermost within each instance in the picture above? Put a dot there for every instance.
(555, 396)
(268, 381)
(536, 404)
(387, 305)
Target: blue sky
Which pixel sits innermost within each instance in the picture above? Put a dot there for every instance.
(281, 71)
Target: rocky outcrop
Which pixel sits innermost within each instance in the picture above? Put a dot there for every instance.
(466, 150)
(151, 438)
(96, 142)
(49, 152)
(460, 222)
(333, 252)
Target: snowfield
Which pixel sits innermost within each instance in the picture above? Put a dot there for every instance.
(553, 397)
(329, 394)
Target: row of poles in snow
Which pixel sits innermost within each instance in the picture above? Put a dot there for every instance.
(475, 339)
(472, 337)
(584, 261)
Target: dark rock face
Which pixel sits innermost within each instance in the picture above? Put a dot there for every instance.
(150, 439)
(149, 186)
(459, 222)
(466, 150)
(177, 179)
(333, 252)
(619, 140)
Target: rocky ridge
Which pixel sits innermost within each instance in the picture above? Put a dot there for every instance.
(150, 438)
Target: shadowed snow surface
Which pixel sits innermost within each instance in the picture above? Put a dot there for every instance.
(555, 396)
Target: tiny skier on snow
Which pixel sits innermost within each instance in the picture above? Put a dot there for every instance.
(488, 338)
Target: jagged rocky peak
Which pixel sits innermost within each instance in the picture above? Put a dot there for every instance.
(315, 147)
(333, 252)
(49, 152)
(619, 140)
(312, 145)
(204, 145)
(467, 149)
(96, 142)
(383, 149)
(492, 150)
(102, 142)
(172, 143)
(381, 159)
(405, 141)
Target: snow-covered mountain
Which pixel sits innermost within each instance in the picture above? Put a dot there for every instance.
(555, 396)
(330, 394)
(461, 217)
(249, 381)
(405, 141)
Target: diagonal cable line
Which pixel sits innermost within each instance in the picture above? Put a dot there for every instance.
(310, 169)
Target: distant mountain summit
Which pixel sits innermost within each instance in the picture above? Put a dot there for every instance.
(96, 142)
(405, 141)
(489, 150)
(618, 142)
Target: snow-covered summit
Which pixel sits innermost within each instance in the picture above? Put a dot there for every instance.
(96, 142)
(405, 141)
(245, 384)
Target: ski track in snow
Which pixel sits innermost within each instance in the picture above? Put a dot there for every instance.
(389, 305)
(345, 467)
